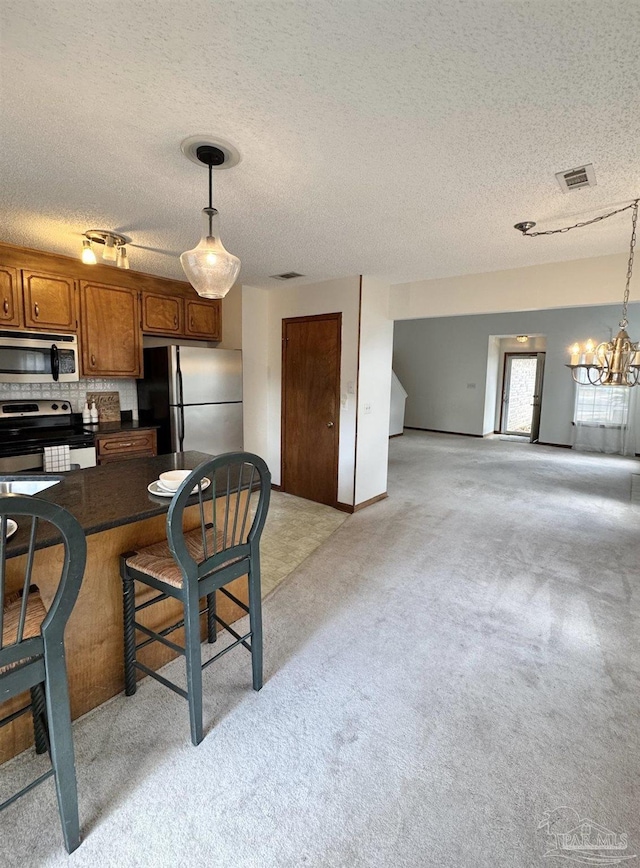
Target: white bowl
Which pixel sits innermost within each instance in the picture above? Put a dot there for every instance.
(173, 479)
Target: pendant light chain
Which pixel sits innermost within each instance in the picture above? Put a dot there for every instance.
(600, 217)
(615, 362)
(632, 248)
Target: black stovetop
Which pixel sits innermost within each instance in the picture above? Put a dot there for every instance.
(30, 434)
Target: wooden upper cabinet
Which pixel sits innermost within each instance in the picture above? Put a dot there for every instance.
(162, 314)
(110, 329)
(10, 307)
(49, 301)
(202, 319)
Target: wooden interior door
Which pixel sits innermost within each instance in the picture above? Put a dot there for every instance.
(311, 406)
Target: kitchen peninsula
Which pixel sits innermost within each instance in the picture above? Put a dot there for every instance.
(118, 514)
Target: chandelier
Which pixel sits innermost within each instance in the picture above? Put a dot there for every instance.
(615, 362)
(210, 268)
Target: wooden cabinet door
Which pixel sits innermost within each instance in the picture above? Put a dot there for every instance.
(10, 307)
(162, 314)
(49, 301)
(111, 332)
(202, 319)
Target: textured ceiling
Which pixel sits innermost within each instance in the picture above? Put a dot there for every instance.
(395, 139)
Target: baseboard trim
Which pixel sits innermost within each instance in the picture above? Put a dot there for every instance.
(275, 487)
(440, 431)
(396, 435)
(347, 507)
(370, 502)
(344, 507)
(558, 445)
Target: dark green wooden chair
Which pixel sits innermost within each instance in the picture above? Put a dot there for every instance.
(195, 565)
(32, 650)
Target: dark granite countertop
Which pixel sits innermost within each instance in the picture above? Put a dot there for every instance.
(117, 427)
(108, 496)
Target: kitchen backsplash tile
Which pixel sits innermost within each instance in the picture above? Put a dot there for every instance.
(74, 393)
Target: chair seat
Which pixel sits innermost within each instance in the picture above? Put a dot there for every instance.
(36, 613)
(156, 560)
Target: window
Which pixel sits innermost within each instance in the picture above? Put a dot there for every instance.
(602, 406)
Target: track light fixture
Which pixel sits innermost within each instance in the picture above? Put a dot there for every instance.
(114, 247)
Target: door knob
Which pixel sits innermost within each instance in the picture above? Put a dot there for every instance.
(329, 424)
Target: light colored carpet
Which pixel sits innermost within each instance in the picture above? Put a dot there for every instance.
(451, 664)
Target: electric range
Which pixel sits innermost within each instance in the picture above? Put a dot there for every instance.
(26, 427)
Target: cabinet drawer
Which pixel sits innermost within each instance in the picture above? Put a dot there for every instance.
(125, 444)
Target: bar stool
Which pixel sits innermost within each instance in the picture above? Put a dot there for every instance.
(32, 651)
(196, 564)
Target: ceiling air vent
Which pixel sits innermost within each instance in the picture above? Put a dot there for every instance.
(574, 179)
(288, 275)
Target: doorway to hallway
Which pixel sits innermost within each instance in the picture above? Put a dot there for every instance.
(522, 395)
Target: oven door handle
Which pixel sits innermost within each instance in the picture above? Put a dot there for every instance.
(55, 362)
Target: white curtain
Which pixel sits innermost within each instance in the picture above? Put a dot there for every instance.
(605, 419)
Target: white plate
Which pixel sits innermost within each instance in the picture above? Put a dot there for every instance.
(157, 489)
(12, 527)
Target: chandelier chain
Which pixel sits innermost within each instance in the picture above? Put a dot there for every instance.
(597, 219)
(632, 248)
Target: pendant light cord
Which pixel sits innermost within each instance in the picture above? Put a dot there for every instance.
(210, 199)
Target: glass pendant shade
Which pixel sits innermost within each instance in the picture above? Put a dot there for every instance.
(210, 269)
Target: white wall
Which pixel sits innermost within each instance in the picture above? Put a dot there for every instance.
(374, 390)
(491, 385)
(262, 315)
(579, 282)
(256, 374)
(398, 402)
(232, 319)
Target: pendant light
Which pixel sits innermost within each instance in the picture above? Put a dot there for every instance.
(209, 267)
(615, 362)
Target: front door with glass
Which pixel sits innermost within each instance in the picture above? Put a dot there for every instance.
(522, 394)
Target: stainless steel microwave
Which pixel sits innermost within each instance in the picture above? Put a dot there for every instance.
(33, 357)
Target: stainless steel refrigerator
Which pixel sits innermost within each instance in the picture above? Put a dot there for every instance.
(194, 395)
